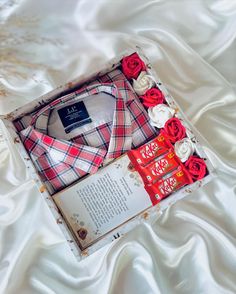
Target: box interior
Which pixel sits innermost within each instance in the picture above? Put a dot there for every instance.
(149, 213)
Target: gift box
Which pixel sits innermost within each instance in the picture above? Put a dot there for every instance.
(100, 185)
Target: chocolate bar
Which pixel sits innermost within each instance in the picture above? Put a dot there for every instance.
(165, 187)
(149, 151)
(159, 168)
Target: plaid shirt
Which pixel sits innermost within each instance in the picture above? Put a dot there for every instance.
(61, 162)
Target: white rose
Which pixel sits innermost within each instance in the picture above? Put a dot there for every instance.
(143, 83)
(159, 114)
(184, 148)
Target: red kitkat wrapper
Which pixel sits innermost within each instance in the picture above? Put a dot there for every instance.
(149, 151)
(157, 169)
(165, 187)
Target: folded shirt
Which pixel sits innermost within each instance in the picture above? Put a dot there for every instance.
(75, 134)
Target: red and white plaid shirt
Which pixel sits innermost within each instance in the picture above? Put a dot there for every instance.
(61, 162)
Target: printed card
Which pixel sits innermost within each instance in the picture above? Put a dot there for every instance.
(103, 201)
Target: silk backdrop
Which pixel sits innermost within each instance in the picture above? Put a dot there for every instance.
(191, 44)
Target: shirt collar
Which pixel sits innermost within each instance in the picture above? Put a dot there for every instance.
(121, 135)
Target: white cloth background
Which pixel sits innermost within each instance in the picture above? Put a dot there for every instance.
(191, 44)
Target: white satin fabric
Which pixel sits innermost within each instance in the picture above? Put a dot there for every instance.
(191, 44)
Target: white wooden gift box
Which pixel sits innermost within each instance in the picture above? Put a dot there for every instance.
(150, 214)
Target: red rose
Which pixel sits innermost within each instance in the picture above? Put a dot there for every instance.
(174, 130)
(196, 167)
(153, 97)
(132, 65)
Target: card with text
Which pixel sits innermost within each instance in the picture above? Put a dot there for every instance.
(103, 201)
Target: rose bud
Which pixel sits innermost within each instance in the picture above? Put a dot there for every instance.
(184, 148)
(153, 97)
(132, 65)
(160, 114)
(174, 130)
(143, 83)
(196, 167)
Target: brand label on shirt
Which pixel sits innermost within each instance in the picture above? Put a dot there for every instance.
(74, 116)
